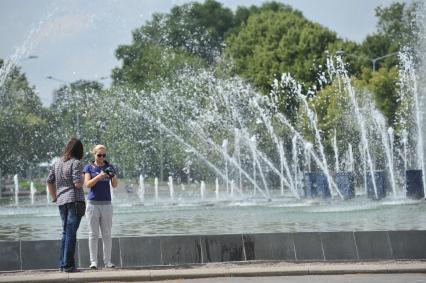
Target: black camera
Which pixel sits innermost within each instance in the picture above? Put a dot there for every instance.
(110, 171)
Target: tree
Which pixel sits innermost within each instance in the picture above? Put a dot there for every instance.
(144, 64)
(80, 108)
(191, 34)
(397, 22)
(272, 43)
(396, 29)
(384, 85)
(24, 124)
(243, 13)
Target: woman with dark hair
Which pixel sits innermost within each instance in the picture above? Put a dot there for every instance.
(65, 184)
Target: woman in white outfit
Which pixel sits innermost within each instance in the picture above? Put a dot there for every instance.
(99, 176)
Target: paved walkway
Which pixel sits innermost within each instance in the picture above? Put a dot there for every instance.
(217, 270)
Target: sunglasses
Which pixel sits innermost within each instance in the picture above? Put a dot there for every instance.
(101, 155)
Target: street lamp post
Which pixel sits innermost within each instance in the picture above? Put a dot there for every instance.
(380, 58)
(29, 57)
(56, 79)
(373, 60)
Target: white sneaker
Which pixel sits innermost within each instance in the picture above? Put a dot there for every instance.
(93, 265)
(109, 265)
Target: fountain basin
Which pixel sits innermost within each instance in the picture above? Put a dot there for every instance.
(190, 215)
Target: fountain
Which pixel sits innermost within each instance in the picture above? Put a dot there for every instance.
(171, 189)
(156, 189)
(413, 122)
(47, 194)
(259, 160)
(32, 192)
(141, 192)
(16, 184)
(203, 190)
(225, 150)
(23, 51)
(217, 188)
(111, 191)
(246, 156)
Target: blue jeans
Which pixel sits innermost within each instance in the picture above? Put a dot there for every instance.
(70, 223)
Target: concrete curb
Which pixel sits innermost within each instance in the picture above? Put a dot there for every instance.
(250, 270)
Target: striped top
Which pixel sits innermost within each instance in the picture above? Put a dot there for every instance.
(64, 174)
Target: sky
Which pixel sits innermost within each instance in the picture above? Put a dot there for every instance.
(76, 39)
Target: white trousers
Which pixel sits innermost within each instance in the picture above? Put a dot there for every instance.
(99, 216)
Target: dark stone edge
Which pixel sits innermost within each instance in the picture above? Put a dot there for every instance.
(387, 244)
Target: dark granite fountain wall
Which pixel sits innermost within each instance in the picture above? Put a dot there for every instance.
(192, 249)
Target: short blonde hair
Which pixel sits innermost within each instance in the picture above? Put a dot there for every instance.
(97, 147)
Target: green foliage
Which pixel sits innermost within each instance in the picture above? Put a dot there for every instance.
(258, 43)
(24, 125)
(384, 85)
(397, 22)
(197, 28)
(333, 112)
(144, 65)
(81, 109)
(396, 29)
(243, 13)
(272, 43)
(212, 16)
(191, 34)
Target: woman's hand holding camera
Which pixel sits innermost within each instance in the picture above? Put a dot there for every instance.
(107, 173)
(102, 175)
(110, 172)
